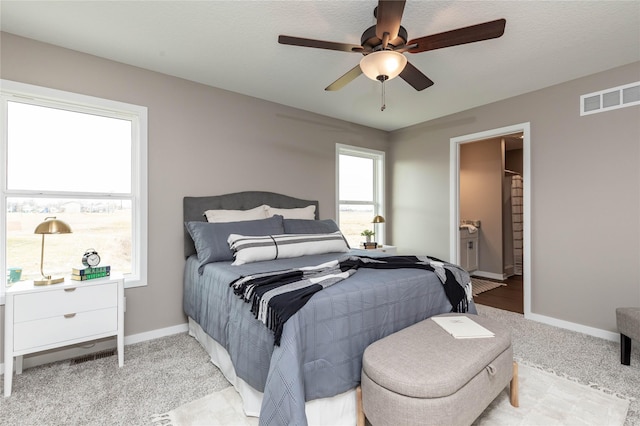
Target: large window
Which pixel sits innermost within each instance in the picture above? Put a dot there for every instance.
(360, 192)
(81, 160)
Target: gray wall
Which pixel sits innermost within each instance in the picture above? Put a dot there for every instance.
(202, 141)
(481, 175)
(585, 194)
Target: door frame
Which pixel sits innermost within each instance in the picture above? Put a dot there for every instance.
(454, 197)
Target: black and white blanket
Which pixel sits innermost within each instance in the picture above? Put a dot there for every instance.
(276, 296)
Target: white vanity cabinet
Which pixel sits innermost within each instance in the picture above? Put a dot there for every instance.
(468, 250)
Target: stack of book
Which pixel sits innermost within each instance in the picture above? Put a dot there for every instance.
(83, 274)
(369, 246)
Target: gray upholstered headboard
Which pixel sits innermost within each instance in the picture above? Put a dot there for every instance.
(194, 207)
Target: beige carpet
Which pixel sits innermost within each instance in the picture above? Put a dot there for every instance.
(545, 399)
(480, 285)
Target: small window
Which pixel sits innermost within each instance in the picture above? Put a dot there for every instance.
(360, 192)
(79, 159)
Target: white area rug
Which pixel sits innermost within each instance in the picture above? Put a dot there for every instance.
(480, 286)
(545, 399)
(548, 399)
(220, 408)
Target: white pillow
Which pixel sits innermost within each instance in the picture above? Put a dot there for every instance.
(221, 216)
(308, 212)
(248, 249)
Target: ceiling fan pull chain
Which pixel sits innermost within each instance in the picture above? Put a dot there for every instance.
(382, 108)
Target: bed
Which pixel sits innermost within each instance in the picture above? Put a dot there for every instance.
(311, 376)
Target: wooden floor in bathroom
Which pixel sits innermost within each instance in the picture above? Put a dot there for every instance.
(509, 297)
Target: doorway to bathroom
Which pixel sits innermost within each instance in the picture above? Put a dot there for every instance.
(490, 195)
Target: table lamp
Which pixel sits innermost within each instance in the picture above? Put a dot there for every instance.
(51, 225)
(376, 220)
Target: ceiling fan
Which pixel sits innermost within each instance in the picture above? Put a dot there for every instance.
(383, 46)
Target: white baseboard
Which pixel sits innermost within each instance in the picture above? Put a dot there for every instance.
(508, 271)
(491, 275)
(82, 349)
(591, 331)
(156, 334)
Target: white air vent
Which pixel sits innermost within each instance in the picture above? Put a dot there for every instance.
(608, 99)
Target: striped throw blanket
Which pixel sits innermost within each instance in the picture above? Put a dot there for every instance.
(276, 296)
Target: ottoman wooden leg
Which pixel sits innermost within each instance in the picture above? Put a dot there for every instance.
(513, 388)
(360, 413)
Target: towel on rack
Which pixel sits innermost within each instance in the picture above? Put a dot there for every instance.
(472, 229)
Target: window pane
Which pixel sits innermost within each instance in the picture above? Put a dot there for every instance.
(104, 225)
(75, 151)
(356, 178)
(353, 220)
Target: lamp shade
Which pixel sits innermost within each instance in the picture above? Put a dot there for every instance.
(383, 63)
(378, 219)
(51, 225)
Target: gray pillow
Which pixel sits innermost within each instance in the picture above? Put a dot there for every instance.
(210, 239)
(304, 226)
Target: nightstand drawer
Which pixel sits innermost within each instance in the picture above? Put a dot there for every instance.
(61, 328)
(47, 304)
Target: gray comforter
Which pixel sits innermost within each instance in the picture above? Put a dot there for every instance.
(320, 354)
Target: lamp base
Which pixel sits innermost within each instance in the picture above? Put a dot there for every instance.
(48, 281)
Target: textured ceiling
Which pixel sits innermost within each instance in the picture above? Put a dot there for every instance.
(233, 45)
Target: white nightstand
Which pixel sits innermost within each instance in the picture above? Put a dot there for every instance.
(387, 249)
(39, 318)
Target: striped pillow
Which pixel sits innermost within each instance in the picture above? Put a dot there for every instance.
(248, 249)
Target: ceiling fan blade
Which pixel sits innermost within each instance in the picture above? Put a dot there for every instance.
(479, 32)
(415, 77)
(347, 78)
(388, 15)
(319, 44)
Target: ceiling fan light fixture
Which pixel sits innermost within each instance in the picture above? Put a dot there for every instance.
(383, 63)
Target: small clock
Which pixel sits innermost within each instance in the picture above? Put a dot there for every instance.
(91, 258)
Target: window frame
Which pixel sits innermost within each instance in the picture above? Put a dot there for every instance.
(47, 97)
(378, 201)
